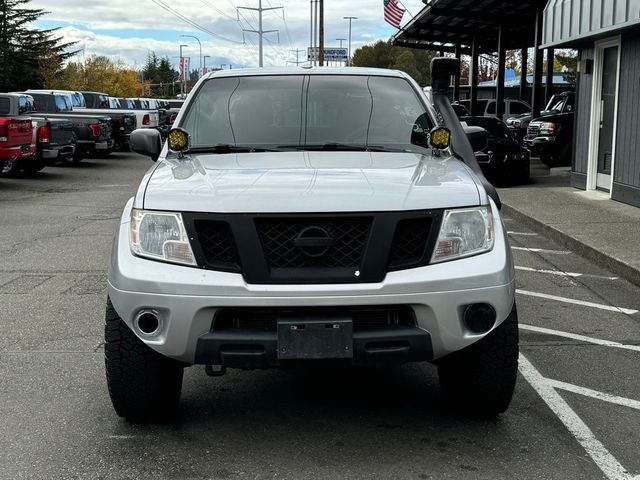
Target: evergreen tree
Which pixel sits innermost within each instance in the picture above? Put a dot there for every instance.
(28, 56)
(160, 74)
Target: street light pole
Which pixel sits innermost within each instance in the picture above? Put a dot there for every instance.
(200, 44)
(183, 75)
(349, 57)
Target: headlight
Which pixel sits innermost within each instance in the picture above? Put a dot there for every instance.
(160, 236)
(464, 232)
(547, 128)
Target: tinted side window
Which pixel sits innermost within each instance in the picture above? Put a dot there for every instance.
(61, 105)
(5, 106)
(22, 106)
(491, 110)
(517, 108)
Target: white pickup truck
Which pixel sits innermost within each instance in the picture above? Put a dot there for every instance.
(327, 216)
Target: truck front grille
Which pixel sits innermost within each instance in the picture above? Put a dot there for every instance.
(533, 129)
(341, 242)
(314, 248)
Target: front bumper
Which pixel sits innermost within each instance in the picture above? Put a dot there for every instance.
(186, 299)
(541, 145)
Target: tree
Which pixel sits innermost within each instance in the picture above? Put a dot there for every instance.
(415, 62)
(28, 56)
(99, 74)
(566, 61)
(160, 74)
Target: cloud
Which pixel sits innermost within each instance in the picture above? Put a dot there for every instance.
(128, 29)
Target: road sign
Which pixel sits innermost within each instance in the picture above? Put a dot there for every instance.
(330, 54)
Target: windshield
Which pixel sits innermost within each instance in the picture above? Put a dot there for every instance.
(556, 103)
(299, 110)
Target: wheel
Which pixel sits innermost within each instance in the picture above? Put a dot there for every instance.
(479, 380)
(143, 384)
(78, 155)
(11, 168)
(33, 166)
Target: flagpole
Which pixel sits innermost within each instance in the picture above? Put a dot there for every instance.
(406, 10)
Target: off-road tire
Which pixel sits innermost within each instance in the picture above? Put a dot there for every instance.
(143, 384)
(479, 380)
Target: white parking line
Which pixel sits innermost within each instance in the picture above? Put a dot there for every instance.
(587, 392)
(600, 306)
(541, 250)
(564, 274)
(581, 432)
(524, 234)
(581, 338)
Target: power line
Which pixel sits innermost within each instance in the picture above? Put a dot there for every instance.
(209, 4)
(191, 22)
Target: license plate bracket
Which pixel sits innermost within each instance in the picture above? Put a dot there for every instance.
(315, 337)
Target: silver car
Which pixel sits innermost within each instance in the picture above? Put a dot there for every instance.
(302, 216)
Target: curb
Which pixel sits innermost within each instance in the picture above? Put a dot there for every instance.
(616, 266)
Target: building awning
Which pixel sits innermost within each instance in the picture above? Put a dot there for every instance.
(444, 23)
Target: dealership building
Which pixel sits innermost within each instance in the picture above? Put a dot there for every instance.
(606, 34)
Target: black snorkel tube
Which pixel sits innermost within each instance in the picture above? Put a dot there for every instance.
(442, 69)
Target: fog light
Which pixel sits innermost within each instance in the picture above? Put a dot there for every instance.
(480, 317)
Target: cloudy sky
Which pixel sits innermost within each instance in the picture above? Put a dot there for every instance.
(129, 29)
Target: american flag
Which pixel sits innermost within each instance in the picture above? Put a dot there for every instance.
(393, 13)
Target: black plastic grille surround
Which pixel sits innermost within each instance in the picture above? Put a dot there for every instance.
(348, 238)
(313, 248)
(364, 318)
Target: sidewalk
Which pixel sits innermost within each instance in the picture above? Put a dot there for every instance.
(602, 230)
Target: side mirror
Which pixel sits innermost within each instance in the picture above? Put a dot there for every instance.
(146, 141)
(478, 138)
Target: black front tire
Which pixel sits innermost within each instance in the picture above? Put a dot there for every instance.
(143, 384)
(479, 381)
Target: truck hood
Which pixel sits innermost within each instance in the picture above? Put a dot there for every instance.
(281, 182)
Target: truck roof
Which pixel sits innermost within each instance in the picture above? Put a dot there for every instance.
(351, 71)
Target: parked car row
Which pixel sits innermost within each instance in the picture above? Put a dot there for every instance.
(45, 126)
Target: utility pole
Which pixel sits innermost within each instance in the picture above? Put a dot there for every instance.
(349, 54)
(321, 34)
(260, 31)
(297, 51)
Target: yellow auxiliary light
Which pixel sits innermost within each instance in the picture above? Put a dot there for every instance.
(178, 140)
(440, 138)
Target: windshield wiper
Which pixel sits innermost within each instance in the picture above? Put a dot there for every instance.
(228, 148)
(342, 147)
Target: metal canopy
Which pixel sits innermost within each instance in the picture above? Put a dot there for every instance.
(444, 23)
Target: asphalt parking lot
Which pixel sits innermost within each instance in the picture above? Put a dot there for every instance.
(575, 414)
